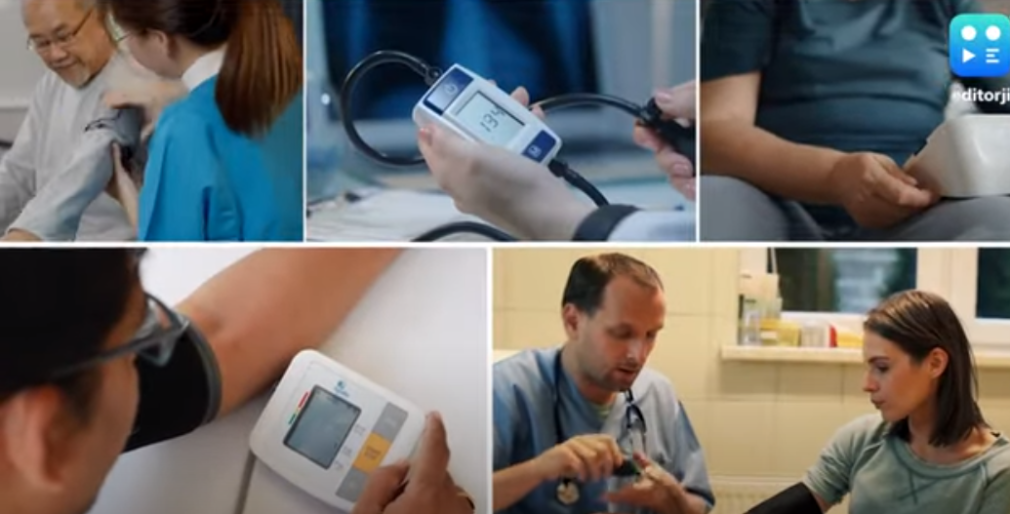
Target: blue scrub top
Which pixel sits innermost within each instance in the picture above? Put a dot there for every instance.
(524, 389)
(205, 182)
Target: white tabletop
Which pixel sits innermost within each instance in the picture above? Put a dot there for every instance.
(422, 331)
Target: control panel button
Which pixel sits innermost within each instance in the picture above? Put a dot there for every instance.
(353, 485)
(390, 421)
(448, 88)
(372, 452)
(540, 146)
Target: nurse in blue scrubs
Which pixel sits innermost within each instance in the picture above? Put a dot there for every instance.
(225, 162)
(565, 419)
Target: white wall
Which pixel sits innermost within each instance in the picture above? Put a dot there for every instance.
(20, 68)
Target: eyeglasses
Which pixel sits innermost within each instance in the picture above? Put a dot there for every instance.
(116, 31)
(63, 40)
(154, 342)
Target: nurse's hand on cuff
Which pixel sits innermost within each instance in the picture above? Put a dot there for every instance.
(677, 103)
(655, 490)
(122, 187)
(501, 187)
(150, 96)
(429, 488)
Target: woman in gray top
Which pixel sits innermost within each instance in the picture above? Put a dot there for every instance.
(930, 451)
(809, 110)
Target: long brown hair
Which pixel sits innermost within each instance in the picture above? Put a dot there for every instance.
(919, 322)
(262, 71)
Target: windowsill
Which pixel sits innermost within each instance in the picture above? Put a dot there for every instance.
(498, 355)
(786, 355)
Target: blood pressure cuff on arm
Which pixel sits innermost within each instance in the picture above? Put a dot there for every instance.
(599, 225)
(795, 500)
(55, 212)
(180, 397)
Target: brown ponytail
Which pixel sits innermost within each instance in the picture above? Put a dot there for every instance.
(262, 71)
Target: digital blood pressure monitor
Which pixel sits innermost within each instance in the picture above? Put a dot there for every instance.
(477, 110)
(965, 157)
(326, 428)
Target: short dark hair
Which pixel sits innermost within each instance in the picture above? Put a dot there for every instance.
(57, 307)
(919, 322)
(589, 277)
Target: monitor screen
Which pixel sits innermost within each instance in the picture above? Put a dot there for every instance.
(486, 120)
(322, 427)
(546, 46)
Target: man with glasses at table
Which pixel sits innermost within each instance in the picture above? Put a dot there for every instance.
(61, 161)
(92, 365)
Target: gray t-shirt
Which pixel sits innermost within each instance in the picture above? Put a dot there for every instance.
(884, 476)
(52, 180)
(863, 75)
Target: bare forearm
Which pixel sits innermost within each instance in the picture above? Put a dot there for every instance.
(514, 483)
(20, 236)
(780, 167)
(258, 313)
(691, 504)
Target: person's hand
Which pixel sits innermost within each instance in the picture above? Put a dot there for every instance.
(122, 188)
(587, 458)
(504, 188)
(677, 103)
(20, 236)
(656, 490)
(150, 96)
(875, 191)
(429, 488)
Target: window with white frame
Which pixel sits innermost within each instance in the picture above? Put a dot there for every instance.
(839, 285)
(980, 290)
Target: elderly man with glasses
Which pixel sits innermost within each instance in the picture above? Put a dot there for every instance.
(53, 179)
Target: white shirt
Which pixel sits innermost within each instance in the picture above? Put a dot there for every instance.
(61, 162)
(204, 69)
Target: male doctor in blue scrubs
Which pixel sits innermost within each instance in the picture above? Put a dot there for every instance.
(565, 418)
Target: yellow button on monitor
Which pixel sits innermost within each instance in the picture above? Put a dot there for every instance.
(371, 454)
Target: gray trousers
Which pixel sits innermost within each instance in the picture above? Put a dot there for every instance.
(733, 210)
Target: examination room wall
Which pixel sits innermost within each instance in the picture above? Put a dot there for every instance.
(761, 424)
(21, 69)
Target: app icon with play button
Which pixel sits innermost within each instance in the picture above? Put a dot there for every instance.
(979, 45)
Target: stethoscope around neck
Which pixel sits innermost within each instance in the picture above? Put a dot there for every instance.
(634, 422)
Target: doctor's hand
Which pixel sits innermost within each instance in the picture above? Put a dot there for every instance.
(150, 96)
(677, 103)
(875, 191)
(501, 187)
(656, 490)
(587, 458)
(429, 488)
